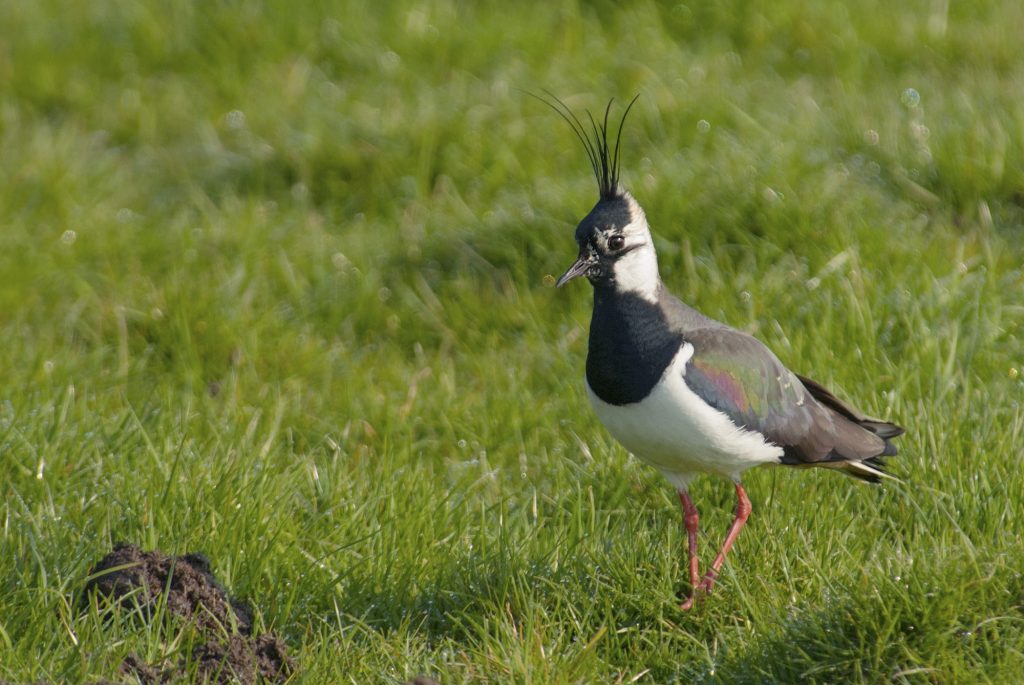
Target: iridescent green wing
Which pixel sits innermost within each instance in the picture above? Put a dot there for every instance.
(737, 375)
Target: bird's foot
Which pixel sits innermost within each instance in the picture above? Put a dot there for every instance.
(694, 597)
(700, 591)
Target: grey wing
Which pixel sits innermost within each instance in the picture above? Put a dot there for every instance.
(736, 374)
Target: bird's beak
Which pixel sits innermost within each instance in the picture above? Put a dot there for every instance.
(579, 268)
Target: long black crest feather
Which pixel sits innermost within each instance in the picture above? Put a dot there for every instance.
(604, 159)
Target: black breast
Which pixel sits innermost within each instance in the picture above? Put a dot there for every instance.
(631, 345)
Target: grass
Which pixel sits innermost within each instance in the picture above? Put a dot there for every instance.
(274, 289)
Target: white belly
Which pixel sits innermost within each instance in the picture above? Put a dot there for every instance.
(675, 431)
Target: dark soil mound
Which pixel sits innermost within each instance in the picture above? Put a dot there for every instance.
(186, 584)
(230, 652)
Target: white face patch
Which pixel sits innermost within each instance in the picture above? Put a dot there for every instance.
(636, 271)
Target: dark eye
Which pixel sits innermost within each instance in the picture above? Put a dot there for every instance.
(616, 242)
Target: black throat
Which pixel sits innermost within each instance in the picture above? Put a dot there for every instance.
(631, 345)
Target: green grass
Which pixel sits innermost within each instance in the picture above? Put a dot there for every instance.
(273, 287)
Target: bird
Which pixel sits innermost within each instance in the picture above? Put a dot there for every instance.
(685, 393)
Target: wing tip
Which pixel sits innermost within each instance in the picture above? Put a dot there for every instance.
(883, 429)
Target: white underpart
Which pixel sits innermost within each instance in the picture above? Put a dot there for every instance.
(637, 270)
(678, 433)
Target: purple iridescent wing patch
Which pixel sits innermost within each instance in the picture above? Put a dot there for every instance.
(740, 377)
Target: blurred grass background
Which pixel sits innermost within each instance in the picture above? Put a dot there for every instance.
(273, 288)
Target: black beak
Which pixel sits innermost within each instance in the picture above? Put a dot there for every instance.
(579, 268)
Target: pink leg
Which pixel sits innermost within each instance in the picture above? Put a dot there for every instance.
(691, 519)
(742, 512)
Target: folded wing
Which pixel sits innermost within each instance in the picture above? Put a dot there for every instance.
(736, 374)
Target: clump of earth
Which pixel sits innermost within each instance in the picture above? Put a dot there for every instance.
(229, 652)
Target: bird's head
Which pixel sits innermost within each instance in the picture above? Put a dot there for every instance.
(616, 250)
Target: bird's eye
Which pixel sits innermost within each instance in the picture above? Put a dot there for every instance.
(616, 242)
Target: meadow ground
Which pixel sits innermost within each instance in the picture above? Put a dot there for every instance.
(273, 287)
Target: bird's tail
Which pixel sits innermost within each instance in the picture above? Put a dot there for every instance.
(871, 469)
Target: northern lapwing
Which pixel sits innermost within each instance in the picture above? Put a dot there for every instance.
(683, 392)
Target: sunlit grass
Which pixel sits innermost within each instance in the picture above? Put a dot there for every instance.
(274, 289)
